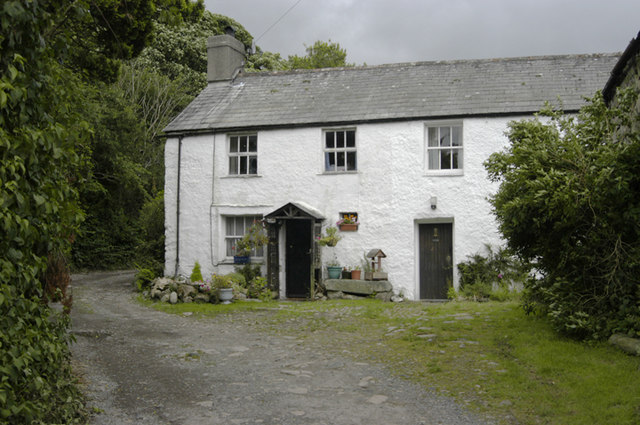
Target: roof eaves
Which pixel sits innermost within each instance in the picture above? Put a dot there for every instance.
(618, 72)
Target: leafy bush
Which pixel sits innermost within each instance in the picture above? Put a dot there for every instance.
(569, 202)
(219, 281)
(196, 274)
(238, 279)
(249, 272)
(492, 276)
(144, 278)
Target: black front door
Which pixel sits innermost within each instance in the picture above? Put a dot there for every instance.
(298, 258)
(436, 268)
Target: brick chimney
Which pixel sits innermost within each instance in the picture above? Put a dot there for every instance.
(225, 55)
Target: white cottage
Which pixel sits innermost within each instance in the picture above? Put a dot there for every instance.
(399, 146)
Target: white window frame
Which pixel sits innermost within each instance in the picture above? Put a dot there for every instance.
(436, 151)
(339, 151)
(239, 154)
(235, 232)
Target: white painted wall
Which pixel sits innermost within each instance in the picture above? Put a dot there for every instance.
(390, 191)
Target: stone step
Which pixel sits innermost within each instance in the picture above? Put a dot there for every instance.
(360, 287)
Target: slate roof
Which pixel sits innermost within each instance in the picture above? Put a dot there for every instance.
(620, 70)
(338, 96)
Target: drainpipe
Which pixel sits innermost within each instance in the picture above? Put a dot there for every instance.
(178, 208)
(213, 202)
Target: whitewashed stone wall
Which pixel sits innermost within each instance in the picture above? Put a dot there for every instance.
(391, 193)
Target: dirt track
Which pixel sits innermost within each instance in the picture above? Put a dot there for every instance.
(142, 366)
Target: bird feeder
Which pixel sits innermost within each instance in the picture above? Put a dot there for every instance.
(376, 256)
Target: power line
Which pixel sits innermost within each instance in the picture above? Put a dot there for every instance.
(279, 19)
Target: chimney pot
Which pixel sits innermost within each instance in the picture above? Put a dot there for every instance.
(225, 55)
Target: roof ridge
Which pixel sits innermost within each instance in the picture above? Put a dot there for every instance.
(246, 73)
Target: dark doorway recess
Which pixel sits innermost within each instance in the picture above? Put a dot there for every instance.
(298, 254)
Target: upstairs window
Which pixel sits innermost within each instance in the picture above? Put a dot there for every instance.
(444, 147)
(243, 154)
(340, 150)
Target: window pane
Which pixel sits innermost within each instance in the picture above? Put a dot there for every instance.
(229, 226)
(253, 165)
(445, 136)
(351, 161)
(351, 139)
(456, 136)
(434, 155)
(433, 136)
(329, 161)
(243, 165)
(243, 144)
(253, 143)
(233, 165)
(445, 159)
(340, 161)
(457, 158)
(339, 139)
(229, 247)
(329, 136)
(233, 144)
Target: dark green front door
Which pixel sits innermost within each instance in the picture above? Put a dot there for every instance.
(436, 268)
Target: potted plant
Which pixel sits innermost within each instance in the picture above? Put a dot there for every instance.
(224, 286)
(348, 223)
(346, 273)
(356, 273)
(254, 238)
(331, 239)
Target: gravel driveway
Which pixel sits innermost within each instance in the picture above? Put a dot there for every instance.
(141, 366)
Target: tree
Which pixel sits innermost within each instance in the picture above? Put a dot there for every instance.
(569, 203)
(180, 51)
(321, 55)
(39, 215)
(44, 144)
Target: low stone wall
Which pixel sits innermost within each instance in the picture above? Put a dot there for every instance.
(173, 291)
(354, 289)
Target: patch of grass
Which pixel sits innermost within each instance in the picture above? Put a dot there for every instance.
(208, 309)
(490, 356)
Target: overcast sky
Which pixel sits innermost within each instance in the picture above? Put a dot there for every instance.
(389, 31)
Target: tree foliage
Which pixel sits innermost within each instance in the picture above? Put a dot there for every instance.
(569, 202)
(179, 52)
(39, 131)
(323, 54)
(49, 51)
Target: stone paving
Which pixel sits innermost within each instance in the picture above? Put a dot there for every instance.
(146, 367)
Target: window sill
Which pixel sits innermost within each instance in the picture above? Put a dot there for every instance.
(255, 261)
(333, 173)
(444, 173)
(241, 176)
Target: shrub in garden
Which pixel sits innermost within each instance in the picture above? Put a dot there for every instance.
(492, 276)
(196, 274)
(144, 279)
(569, 203)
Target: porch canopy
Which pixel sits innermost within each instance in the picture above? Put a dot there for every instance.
(302, 224)
(294, 210)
